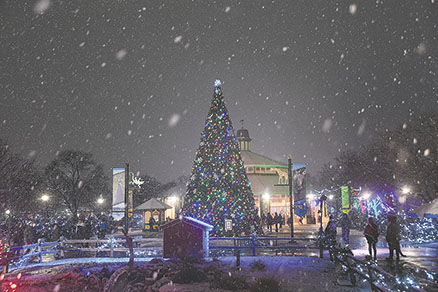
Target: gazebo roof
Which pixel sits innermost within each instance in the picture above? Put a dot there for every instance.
(153, 204)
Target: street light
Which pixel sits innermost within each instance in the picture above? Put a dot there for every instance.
(331, 197)
(366, 196)
(100, 201)
(173, 199)
(266, 196)
(310, 196)
(406, 190)
(45, 197)
(402, 199)
(8, 212)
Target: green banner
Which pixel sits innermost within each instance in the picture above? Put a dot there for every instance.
(345, 199)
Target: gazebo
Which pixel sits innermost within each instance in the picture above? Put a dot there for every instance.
(153, 209)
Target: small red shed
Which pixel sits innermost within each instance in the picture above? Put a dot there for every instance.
(186, 237)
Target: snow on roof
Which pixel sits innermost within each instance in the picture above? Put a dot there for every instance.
(199, 222)
(430, 208)
(153, 204)
(253, 159)
(189, 220)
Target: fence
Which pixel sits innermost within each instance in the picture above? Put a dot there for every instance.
(253, 243)
(21, 255)
(379, 279)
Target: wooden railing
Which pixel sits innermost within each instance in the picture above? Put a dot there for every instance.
(378, 279)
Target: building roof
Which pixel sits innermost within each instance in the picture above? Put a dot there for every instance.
(153, 204)
(243, 134)
(252, 159)
(265, 183)
(429, 208)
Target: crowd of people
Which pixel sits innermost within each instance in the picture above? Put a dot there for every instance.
(28, 229)
(278, 220)
(371, 233)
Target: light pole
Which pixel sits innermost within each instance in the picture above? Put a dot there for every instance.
(365, 198)
(321, 205)
(45, 198)
(290, 184)
(406, 190)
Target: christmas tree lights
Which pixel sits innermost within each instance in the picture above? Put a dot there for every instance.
(219, 188)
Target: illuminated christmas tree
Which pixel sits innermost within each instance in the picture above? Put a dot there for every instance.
(219, 188)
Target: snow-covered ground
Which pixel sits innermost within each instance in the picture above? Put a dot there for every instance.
(293, 273)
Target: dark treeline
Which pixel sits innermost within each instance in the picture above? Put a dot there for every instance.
(73, 180)
(406, 155)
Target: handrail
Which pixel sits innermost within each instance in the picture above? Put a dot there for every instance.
(354, 267)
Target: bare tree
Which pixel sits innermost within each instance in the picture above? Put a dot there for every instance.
(76, 180)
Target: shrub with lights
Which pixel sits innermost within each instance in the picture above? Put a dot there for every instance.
(219, 188)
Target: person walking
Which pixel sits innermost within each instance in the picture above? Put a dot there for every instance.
(372, 235)
(393, 238)
(269, 220)
(330, 235)
(276, 221)
(281, 220)
(102, 228)
(346, 225)
(264, 220)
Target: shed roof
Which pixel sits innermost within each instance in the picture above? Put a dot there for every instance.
(153, 204)
(191, 221)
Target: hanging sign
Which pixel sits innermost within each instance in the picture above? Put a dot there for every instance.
(345, 199)
(228, 225)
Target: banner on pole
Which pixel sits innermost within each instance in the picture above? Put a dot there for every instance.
(118, 204)
(345, 199)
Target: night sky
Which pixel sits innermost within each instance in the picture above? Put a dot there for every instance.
(132, 81)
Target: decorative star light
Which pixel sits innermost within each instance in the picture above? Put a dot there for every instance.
(217, 83)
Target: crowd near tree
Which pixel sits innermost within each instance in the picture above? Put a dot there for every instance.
(72, 183)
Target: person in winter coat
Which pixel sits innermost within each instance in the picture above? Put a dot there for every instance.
(393, 238)
(346, 225)
(330, 231)
(56, 233)
(276, 221)
(264, 220)
(29, 234)
(372, 235)
(102, 229)
(281, 220)
(80, 228)
(269, 220)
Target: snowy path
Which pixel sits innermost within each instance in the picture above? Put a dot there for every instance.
(298, 273)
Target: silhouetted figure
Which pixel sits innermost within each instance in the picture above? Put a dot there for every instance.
(393, 238)
(346, 225)
(270, 221)
(276, 221)
(372, 235)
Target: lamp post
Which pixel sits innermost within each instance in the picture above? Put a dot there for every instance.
(321, 205)
(100, 202)
(365, 198)
(291, 193)
(290, 184)
(45, 198)
(406, 190)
